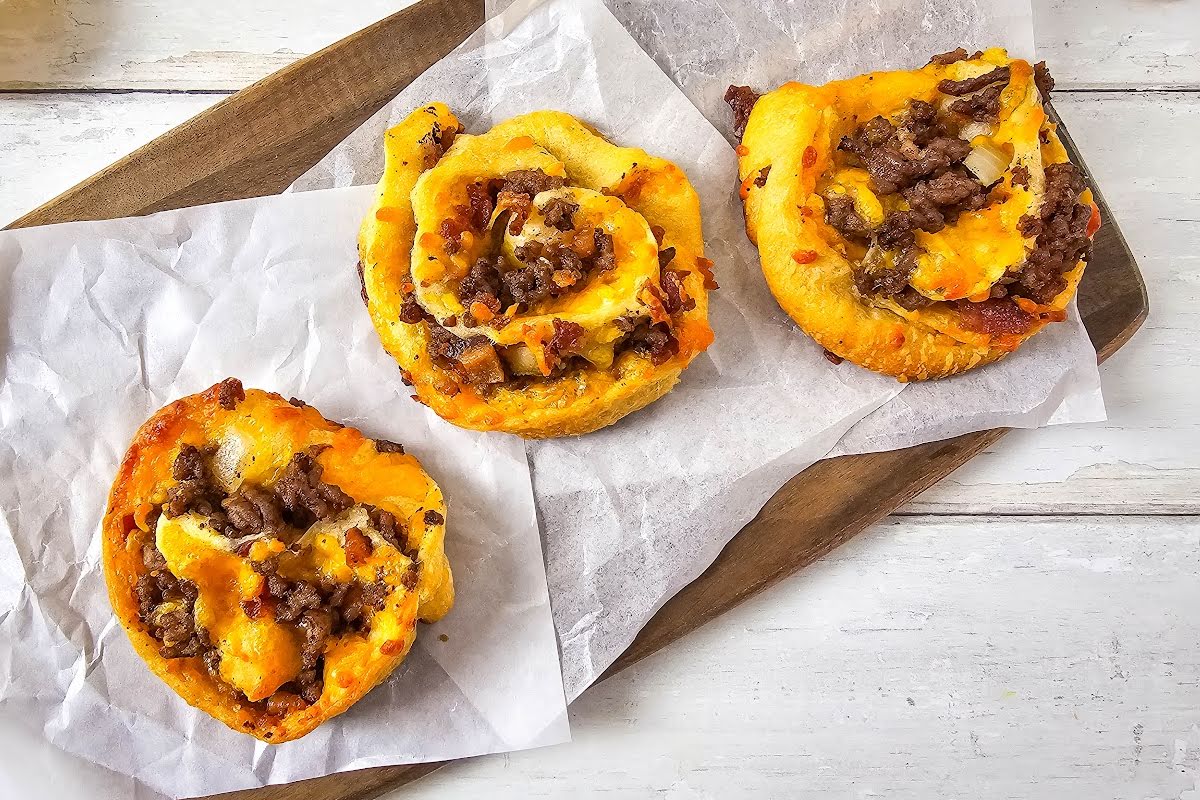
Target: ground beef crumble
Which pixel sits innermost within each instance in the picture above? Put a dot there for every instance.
(982, 106)
(897, 156)
(969, 85)
(560, 213)
(918, 157)
(1043, 79)
(494, 285)
(318, 610)
(1060, 228)
(957, 54)
(384, 446)
(741, 100)
(437, 142)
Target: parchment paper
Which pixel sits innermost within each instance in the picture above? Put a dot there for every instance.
(633, 513)
(105, 322)
(705, 45)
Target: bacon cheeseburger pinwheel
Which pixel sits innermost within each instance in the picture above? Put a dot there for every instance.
(535, 279)
(268, 564)
(917, 223)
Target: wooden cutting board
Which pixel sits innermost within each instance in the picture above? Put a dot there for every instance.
(261, 139)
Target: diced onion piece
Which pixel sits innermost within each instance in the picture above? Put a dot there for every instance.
(228, 462)
(973, 129)
(521, 361)
(987, 162)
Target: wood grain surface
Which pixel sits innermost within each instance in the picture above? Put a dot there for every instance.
(260, 139)
(171, 45)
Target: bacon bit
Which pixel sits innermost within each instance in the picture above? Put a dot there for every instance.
(631, 186)
(979, 297)
(741, 150)
(518, 143)
(704, 267)
(407, 287)
(652, 297)
(519, 205)
(675, 296)
(567, 338)
(391, 647)
(258, 607)
(346, 679)
(898, 339)
(805, 211)
(832, 358)
(744, 189)
(481, 313)
(389, 214)
(996, 317)
(453, 231)
(358, 547)
(430, 240)
(804, 256)
(480, 206)
(563, 278)
(810, 157)
(1093, 221)
(583, 243)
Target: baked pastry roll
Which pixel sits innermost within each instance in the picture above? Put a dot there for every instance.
(268, 564)
(917, 223)
(534, 279)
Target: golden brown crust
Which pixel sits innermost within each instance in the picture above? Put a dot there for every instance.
(795, 130)
(392, 247)
(263, 431)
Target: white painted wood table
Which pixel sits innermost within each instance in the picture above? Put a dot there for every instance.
(1030, 628)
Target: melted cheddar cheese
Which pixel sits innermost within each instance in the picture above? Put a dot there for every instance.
(622, 191)
(795, 132)
(251, 444)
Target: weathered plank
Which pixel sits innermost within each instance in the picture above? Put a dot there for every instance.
(168, 44)
(174, 44)
(50, 142)
(1001, 658)
(931, 657)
